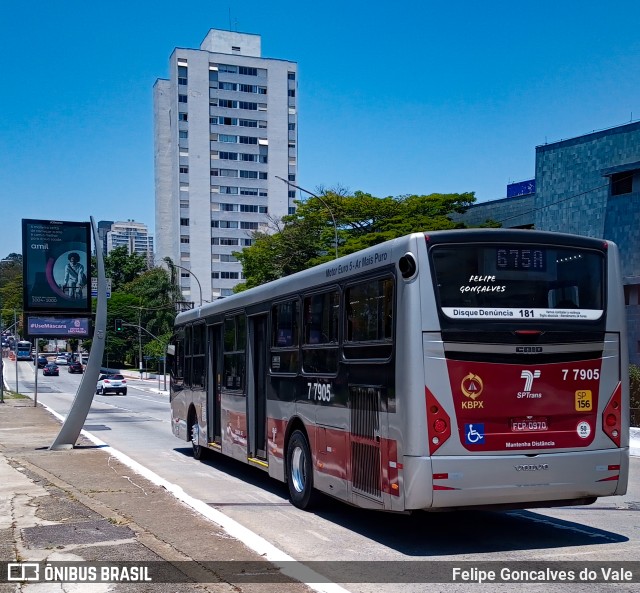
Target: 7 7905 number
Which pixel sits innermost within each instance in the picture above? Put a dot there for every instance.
(581, 374)
(319, 391)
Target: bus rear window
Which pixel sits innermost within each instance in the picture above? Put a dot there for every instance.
(518, 281)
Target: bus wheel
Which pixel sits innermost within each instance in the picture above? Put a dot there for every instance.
(299, 471)
(196, 447)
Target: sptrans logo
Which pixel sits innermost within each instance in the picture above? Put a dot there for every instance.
(472, 387)
(529, 377)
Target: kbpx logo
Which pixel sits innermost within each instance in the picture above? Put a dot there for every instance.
(472, 386)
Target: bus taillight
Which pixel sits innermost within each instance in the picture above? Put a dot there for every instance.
(612, 416)
(438, 422)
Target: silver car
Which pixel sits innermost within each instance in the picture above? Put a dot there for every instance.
(111, 383)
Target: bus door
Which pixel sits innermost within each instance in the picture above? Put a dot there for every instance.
(214, 384)
(257, 400)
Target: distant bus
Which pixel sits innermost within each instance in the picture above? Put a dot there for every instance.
(452, 369)
(23, 350)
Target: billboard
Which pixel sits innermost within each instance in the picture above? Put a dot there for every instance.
(58, 327)
(521, 188)
(56, 266)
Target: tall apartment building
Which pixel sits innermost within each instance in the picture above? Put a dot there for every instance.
(132, 235)
(225, 130)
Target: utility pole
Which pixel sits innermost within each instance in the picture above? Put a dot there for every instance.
(140, 338)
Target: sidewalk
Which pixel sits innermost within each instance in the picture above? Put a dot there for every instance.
(84, 505)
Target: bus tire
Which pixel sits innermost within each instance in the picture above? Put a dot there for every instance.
(194, 437)
(300, 471)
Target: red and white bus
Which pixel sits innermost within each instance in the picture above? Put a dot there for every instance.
(451, 369)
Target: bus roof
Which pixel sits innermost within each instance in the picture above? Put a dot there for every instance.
(379, 256)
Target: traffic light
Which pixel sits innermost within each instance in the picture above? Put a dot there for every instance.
(118, 325)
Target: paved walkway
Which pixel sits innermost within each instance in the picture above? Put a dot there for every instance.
(84, 505)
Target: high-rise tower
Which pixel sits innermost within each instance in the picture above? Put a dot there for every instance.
(225, 129)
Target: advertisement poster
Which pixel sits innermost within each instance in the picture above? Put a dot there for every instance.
(58, 327)
(56, 266)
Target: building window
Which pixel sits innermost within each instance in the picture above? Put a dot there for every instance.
(227, 138)
(250, 226)
(184, 222)
(247, 105)
(228, 156)
(182, 116)
(184, 169)
(622, 183)
(228, 224)
(228, 241)
(292, 93)
(292, 177)
(248, 140)
(182, 75)
(228, 103)
(229, 207)
(248, 71)
(183, 134)
(292, 194)
(228, 86)
(229, 275)
(247, 242)
(182, 98)
(184, 239)
(291, 75)
(226, 189)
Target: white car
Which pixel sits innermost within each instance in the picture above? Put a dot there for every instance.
(111, 382)
(61, 360)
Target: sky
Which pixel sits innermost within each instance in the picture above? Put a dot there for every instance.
(394, 98)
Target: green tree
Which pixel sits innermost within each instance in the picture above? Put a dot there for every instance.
(308, 237)
(156, 296)
(10, 288)
(122, 267)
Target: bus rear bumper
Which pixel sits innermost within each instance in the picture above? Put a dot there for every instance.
(551, 479)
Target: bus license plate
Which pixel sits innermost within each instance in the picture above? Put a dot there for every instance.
(534, 424)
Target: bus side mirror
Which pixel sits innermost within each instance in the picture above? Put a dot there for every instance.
(407, 265)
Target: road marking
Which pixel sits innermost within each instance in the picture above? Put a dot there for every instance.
(287, 564)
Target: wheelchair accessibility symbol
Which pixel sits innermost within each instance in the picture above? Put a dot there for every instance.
(474, 434)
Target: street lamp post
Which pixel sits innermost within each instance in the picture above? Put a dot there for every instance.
(170, 263)
(164, 358)
(333, 218)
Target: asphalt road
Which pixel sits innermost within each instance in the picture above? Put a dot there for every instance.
(138, 425)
